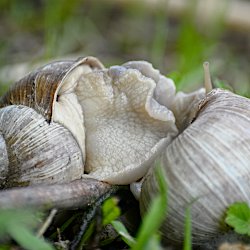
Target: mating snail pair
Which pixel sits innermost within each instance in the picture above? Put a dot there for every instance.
(74, 117)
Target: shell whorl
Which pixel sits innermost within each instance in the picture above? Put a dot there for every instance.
(206, 165)
(38, 90)
(4, 161)
(51, 91)
(38, 152)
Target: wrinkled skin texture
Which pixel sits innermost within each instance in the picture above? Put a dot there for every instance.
(131, 113)
(125, 124)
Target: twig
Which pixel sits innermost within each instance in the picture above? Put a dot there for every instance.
(47, 223)
(76, 194)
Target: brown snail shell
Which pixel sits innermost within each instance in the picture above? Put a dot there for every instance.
(50, 90)
(207, 166)
(42, 140)
(40, 89)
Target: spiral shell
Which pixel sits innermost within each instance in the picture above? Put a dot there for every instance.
(206, 166)
(34, 154)
(50, 90)
(40, 89)
(42, 140)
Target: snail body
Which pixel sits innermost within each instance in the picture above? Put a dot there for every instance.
(73, 117)
(206, 166)
(117, 116)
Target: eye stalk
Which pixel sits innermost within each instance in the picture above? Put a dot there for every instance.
(207, 77)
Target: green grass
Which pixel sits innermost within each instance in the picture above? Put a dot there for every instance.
(187, 243)
(19, 225)
(155, 215)
(148, 236)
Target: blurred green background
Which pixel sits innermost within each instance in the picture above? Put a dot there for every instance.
(34, 32)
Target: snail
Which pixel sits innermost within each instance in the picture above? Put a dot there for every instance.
(41, 126)
(70, 119)
(74, 119)
(206, 166)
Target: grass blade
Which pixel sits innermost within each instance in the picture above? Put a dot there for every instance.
(121, 229)
(187, 245)
(27, 239)
(156, 214)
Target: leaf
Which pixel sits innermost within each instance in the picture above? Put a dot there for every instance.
(155, 215)
(110, 211)
(18, 224)
(12, 216)
(26, 238)
(154, 243)
(150, 224)
(147, 237)
(121, 229)
(238, 217)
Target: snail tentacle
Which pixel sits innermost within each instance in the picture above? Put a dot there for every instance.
(207, 77)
